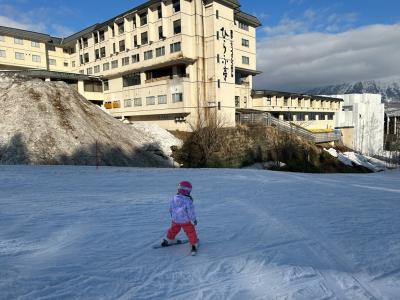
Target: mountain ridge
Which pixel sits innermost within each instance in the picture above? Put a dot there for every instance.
(388, 88)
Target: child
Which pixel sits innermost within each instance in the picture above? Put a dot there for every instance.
(183, 216)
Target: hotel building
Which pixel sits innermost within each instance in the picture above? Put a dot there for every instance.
(164, 61)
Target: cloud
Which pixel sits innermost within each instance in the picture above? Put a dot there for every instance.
(8, 22)
(40, 19)
(306, 60)
(322, 20)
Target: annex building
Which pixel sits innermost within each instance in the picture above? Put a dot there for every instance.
(168, 62)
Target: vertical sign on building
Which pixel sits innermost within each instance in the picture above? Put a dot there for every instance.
(227, 56)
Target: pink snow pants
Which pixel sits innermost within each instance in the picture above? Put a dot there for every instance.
(188, 228)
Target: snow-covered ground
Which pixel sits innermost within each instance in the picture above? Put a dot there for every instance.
(82, 233)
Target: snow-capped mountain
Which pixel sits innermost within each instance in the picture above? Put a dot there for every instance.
(388, 88)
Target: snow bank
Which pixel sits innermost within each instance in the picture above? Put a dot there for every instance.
(352, 158)
(51, 123)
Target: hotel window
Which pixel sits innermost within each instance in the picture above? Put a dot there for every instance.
(101, 35)
(243, 26)
(245, 60)
(160, 33)
(175, 47)
(269, 101)
(103, 52)
(81, 59)
(300, 116)
(114, 64)
(125, 61)
(177, 97)
(135, 58)
(121, 28)
(19, 56)
(137, 102)
(135, 43)
(128, 103)
(245, 43)
(106, 66)
(162, 99)
(96, 38)
(36, 58)
(89, 71)
(144, 38)
(85, 43)
(150, 100)
(93, 86)
(2, 39)
(2, 53)
(160, 51)
(176, 6)
(65, 64)
(114, 48)
(237, 101)
(97, 54)
(143, 19)
(73, 64)
(112, 31)
(86, 57)
(148, 54)
(80, 44)
(18, 41)
(97, 69)
(122, 46)
(52, 62)
(159, 12)
(347, 108)
(35, 44)
(217, 14)
(311, 116)
(131, 79)
(177, 27)
(286, 101)
(106, 86)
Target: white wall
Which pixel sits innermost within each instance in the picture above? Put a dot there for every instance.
(367, 116)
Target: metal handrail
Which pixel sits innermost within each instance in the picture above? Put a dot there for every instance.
(292, 128)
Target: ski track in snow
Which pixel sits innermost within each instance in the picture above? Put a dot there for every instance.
(82, 233)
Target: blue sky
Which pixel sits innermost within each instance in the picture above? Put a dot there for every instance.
(341, 25)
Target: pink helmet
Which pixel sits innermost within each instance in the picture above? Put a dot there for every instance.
(184, 188)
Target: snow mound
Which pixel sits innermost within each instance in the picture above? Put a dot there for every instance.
(51, 123)
(351, 158)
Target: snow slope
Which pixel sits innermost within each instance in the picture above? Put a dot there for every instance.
(82, 233)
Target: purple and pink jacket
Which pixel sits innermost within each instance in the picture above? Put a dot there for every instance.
(181, 209)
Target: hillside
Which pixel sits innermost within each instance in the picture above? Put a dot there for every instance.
(51, 123)
(82, 233)
(389, 89)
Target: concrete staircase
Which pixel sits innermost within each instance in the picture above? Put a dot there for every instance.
(291, 128)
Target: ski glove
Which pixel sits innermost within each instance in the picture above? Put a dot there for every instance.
(195, 222)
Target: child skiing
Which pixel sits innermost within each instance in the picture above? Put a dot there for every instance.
(183, 217)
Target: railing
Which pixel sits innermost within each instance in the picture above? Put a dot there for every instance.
(290, 127)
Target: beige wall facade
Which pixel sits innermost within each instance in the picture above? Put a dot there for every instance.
(311, 112)
(167, 62)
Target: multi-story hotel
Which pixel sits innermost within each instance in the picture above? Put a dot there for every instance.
(163, 61)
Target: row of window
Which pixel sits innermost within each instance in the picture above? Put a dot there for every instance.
(101, 53)
(175, 47)
(161, 99)
(99, 36)
(19, 41)
(35, 58)
(288, 102)
(312, 116)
